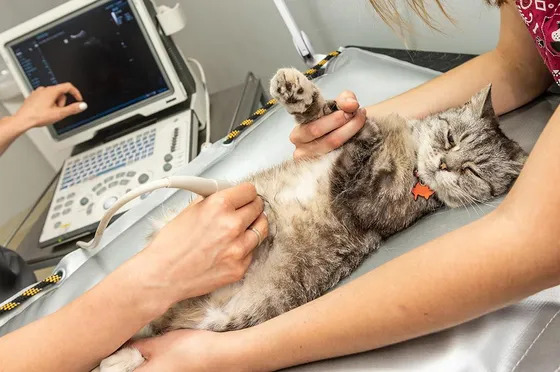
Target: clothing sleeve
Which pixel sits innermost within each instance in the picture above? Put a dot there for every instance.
(14, 274)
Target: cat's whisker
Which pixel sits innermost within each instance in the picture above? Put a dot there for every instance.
(475, 203)
(486, 203)
(471, 202)
(465, 205)
(464, 197)
(481, 202)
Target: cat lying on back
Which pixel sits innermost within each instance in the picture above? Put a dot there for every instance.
(328, 214)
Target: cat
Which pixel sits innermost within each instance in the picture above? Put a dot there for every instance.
(328, 214)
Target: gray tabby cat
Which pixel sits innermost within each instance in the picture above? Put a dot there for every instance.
(328, 214)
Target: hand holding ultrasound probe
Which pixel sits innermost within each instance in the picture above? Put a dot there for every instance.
(227, 226)
(230, 224)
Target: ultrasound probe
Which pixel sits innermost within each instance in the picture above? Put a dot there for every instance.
(201, 186)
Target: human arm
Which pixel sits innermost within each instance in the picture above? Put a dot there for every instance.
(511, 253)
(175, 265)
(514, 68)
(44, 106)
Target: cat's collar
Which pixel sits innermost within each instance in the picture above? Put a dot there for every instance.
(421, 189)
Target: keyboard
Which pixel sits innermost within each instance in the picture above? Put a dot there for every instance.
(114, 157)
(93, 181)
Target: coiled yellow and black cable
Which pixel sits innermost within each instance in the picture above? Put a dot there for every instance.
(33, 291)
(311, 74)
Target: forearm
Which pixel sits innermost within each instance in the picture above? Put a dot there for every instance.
(76, 337)
(455, 87)
(10, 130)
(448, 281)
(514, 68)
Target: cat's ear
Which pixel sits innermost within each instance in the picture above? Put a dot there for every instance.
(481, 103)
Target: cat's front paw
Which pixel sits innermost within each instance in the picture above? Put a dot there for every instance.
(124, 360)
(293, 90)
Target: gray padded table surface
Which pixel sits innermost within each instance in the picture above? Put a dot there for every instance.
(512, 339)
(438, 61)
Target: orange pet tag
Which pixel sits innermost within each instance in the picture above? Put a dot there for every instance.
(420, 189)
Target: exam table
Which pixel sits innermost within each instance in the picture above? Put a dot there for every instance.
(521, 337)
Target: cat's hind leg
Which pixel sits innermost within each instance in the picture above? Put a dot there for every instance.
(128, 358)
(299, 96)
(294, 274)
(125, 360)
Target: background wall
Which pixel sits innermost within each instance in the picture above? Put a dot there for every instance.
(233, 37)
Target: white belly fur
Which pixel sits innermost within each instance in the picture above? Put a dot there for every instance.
(301, 181)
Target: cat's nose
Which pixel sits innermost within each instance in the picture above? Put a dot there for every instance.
(443, 165)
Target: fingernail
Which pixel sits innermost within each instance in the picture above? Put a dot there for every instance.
(350, 99)
(83, 106)
(265, 214)
(363, 111)
(348, 116)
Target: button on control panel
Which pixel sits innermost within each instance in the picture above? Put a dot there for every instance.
(93, 181)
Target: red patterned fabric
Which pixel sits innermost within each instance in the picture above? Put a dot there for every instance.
(542, 18)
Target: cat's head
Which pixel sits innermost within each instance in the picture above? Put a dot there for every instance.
(464, 156)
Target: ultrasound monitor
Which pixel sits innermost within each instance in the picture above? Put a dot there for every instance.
(105, 49)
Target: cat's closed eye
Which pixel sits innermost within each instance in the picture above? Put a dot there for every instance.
(450, 139)
(469, 168)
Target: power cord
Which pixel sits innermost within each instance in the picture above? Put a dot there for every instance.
(208, 142)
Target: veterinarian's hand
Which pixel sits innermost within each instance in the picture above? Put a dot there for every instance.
(331, 131)
(209, 244)
(46, 106)
(187, 350)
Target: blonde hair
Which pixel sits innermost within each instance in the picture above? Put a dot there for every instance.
(388, 12)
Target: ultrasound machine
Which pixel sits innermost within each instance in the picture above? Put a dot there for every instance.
(145, 108)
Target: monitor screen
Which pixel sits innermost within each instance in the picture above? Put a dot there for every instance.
(102, 50)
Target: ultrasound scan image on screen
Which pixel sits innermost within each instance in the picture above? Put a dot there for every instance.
(103, 52)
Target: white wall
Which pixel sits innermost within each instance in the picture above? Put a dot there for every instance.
(233, 37)
(16, 11)
(24, 174)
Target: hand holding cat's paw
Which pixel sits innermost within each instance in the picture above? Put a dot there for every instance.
(329, 132)
(347, 102)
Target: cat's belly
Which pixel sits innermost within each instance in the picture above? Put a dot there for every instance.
(299, 182)
(296, 193)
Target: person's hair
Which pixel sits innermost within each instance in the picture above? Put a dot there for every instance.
(388, 11)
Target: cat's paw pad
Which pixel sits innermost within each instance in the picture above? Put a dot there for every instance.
(124, 360)
(292, 89)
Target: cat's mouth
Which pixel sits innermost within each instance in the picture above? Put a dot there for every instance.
(445, 177)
